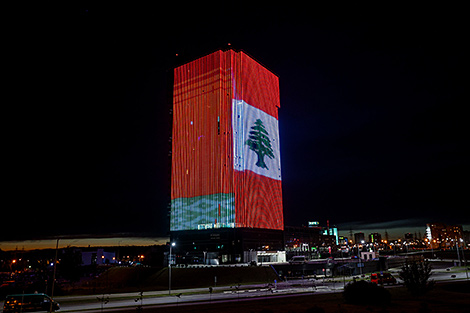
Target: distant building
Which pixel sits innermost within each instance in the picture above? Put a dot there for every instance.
(308, 241)
(368, 256)
(343, 241)
(375, 238)
(442, 236)
(98, 257)
(301, 238)
(271, 256)
(466, 238)
(409, 236)
(331, 231)
(359, 238)
(343, 244)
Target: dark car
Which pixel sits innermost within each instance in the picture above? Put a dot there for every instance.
(382, 278)
(29, 303)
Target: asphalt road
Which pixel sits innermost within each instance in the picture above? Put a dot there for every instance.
(126, 301)
(183, 297)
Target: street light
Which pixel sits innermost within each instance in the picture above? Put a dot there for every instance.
(169, 269)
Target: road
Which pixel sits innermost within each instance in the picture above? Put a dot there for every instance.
(122, 301)
(182, 297)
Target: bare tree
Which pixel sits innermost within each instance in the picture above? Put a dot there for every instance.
(415, 274)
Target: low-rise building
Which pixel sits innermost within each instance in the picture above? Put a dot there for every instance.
(98, 257)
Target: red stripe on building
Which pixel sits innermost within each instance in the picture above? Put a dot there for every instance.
(256, 85)
(258, 201)
(201, 140)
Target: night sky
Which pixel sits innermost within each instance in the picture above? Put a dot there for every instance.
(371, 119)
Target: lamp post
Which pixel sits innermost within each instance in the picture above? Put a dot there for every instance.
(169, 269)
(457, 248)
(360, 258)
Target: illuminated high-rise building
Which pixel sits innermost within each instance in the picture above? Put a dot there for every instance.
(442, 236)
(226, 166)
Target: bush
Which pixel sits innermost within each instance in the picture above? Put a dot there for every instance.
(363, 292)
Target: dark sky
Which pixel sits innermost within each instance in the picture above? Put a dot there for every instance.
(371, 120)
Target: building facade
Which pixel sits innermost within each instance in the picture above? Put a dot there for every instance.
(98, 257)
(359, 238)
(308, 241)
(226, 167)
(375, 238)
(442, 236)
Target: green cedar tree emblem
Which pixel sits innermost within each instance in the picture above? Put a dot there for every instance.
(259, 142)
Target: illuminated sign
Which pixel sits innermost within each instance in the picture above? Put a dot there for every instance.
(313, 224)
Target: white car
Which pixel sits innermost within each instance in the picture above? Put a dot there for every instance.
(298, 259)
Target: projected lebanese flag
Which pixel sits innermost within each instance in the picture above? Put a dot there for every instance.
(256, 141)
(257, 165)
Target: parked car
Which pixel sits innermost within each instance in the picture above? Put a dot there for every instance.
(382, 278)
(298, 259)
(29, 303)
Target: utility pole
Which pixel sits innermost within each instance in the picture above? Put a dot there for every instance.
(53, 275)
(458, 254)
(344, 277)
(465, 262)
